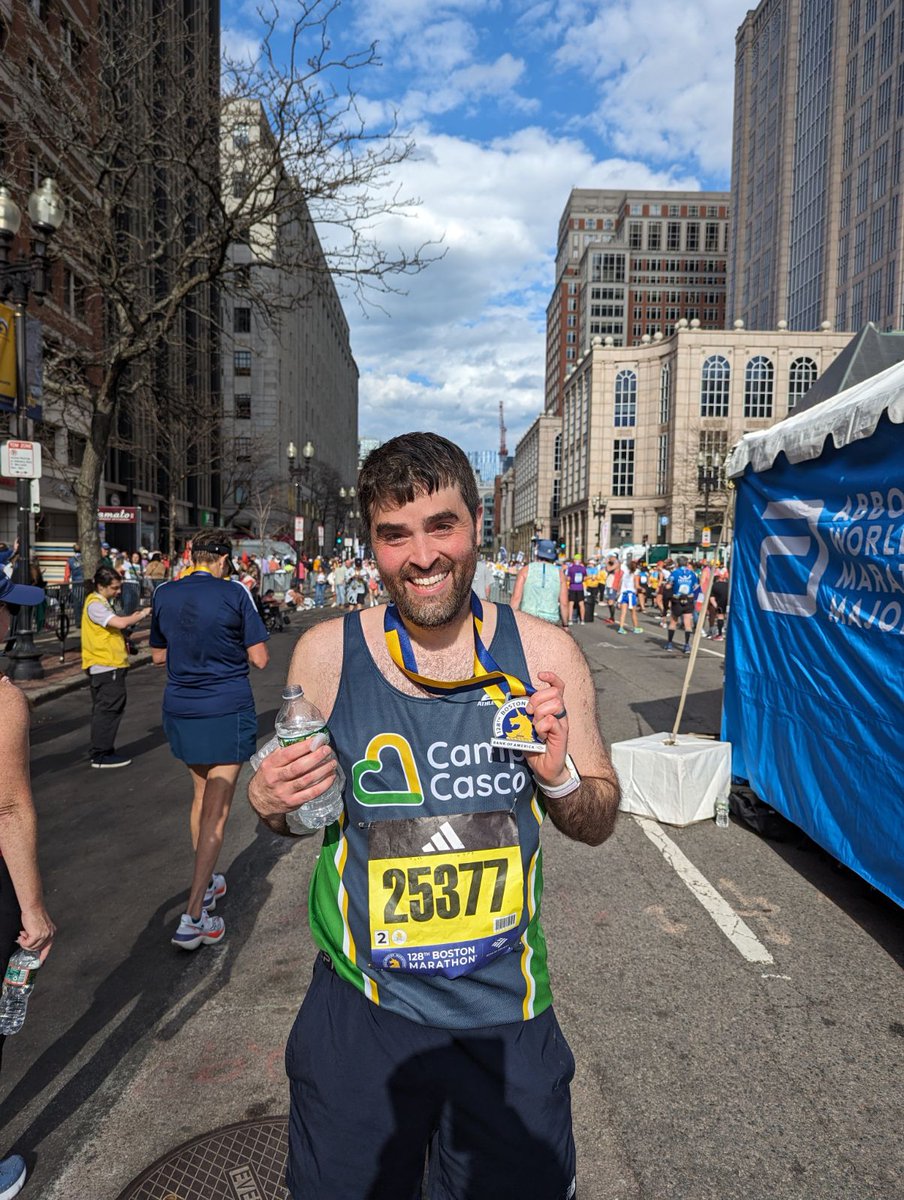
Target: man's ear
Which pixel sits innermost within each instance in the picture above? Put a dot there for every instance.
(478, 524)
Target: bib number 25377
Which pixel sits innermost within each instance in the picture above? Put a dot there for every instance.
(445, 893)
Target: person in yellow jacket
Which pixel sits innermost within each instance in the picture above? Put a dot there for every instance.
(105, 656)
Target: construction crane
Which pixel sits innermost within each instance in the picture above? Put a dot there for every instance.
(503, 451)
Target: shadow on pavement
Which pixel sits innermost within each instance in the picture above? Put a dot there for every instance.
(702, 713)
(877, 915)
(152, 978)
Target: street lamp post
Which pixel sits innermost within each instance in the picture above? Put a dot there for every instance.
(599, 511)
(18, 281)
(709, 465)
(349, 494)
(298, 475)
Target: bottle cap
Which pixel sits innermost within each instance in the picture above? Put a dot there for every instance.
(292, 691)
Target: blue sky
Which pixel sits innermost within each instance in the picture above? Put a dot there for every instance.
(511, 104)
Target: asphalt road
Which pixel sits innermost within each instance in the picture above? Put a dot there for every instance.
(700, 1074)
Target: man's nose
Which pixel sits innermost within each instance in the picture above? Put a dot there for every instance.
(422, 550)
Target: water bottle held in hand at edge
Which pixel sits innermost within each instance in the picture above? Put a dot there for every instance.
(18, 984)
(299, 719)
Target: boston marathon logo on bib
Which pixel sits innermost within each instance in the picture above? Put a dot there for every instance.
(513, 728)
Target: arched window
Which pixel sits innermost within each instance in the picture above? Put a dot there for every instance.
(758, 382)
(715, 385)
(801, 377)
(665, 392)
(557, 453)
(625, 398)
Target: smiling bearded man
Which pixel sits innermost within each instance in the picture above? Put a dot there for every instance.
(428, 1027)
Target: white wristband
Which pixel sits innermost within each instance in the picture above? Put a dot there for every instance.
(566, 788)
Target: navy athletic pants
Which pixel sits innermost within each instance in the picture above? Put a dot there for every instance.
(373, 1095)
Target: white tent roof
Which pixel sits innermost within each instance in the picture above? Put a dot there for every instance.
(847, 417)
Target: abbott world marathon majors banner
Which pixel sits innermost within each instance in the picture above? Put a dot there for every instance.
(815, 656)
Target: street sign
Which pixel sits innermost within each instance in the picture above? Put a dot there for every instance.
(299, 529)
(22, 460)
(124, 516)
(706, 539)
(320, 536)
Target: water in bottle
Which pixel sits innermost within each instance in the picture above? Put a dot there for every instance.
(18, 984)
(722, 812)
(299, 719)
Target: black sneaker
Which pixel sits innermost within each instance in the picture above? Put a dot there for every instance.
(109, 761)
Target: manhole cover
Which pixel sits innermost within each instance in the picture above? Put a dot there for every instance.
(246, 1161)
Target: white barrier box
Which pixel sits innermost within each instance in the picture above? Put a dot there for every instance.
(674, 784)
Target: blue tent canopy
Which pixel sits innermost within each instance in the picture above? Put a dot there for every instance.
(814, 673)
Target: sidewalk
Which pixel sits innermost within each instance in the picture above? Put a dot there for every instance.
(67, 675)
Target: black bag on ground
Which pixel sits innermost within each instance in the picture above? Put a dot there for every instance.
(746, 805)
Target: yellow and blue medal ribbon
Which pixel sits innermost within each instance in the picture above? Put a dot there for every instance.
(488, 676)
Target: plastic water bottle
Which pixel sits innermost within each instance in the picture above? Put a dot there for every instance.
(722, 812)
(297, 720)
(18, 984)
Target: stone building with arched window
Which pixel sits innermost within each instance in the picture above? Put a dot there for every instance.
(645, 429)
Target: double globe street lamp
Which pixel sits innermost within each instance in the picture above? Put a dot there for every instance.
(19, 281)
(709, 478)
(299, 474)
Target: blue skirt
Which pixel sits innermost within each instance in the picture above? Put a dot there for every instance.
(207, 741)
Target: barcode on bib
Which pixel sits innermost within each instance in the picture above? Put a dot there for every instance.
(500, 924)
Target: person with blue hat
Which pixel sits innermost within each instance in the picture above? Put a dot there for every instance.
(541, 589)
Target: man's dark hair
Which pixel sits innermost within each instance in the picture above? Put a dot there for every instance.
(411, 464)
(209, 545)
(104, 576)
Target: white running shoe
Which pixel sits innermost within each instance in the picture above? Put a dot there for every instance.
(205, 931)
(216, 890)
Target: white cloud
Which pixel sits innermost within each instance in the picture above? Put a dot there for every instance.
(470, 331)
(664, 73)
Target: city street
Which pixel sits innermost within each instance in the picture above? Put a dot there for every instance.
(700, 1074)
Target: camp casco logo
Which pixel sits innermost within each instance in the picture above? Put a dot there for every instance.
(800, 545)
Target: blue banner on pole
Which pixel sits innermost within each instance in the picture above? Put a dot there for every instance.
(815, 662)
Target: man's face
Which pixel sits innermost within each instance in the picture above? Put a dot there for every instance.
(426, 553)
(111, 589)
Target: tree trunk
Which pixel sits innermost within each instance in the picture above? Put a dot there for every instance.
(172, 501)
(87, 488)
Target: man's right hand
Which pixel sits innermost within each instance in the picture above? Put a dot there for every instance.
(291, 776)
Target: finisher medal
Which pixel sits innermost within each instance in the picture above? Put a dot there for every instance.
(512, 726)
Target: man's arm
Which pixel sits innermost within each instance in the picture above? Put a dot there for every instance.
(18, 825)
(294, 774)
(588, 813)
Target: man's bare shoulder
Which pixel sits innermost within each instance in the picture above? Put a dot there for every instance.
(546, 644)
(322, 641)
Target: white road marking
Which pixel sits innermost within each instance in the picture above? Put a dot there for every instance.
(738, 933)
(706, 650)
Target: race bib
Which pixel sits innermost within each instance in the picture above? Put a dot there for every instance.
(445, 893)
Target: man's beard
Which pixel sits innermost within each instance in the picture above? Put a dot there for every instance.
(432, 612)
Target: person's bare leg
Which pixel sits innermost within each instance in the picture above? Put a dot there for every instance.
(198, 780)
(218, 792)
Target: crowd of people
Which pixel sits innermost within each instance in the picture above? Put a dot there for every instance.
(562, 589)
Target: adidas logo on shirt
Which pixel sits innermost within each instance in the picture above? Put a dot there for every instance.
(445, 838)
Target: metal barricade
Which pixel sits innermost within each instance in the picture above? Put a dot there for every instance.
(63, 612)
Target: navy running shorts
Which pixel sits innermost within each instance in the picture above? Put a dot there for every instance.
(208, 741)
(373, 1096)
